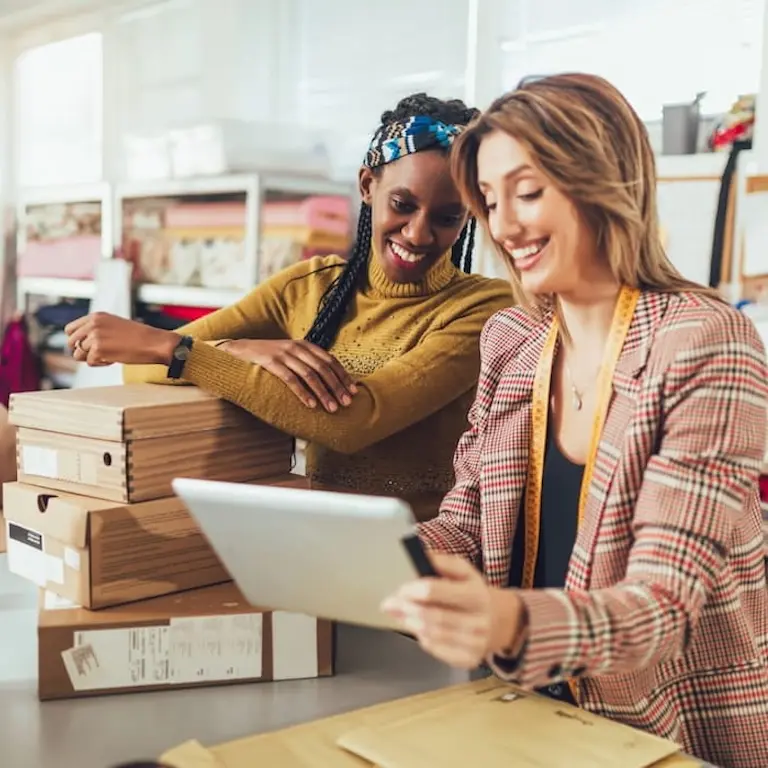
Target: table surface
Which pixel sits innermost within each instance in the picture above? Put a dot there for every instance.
(100, 732)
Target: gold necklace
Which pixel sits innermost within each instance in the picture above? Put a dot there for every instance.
(577, 397)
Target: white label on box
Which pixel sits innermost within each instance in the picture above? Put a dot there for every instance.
(54, 602)
(294, 646)
(84, 669)
(118, 658)
(72, 558)
(36, 460)
(54, 569)
(213, 648)
(26, 554)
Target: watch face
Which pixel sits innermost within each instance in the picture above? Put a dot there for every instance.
(181, 353)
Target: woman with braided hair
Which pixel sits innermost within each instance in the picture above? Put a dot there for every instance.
(373, 360)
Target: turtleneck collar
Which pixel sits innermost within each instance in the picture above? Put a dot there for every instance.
(438, 277)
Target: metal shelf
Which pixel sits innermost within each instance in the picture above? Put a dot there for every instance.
(252, 185)
(702, 165)
(97, 192)
(174, 295)
(188, 295)
(56, 286)
(232, 183)
(304, 185)
(202, 185)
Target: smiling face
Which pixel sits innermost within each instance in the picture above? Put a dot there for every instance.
(417, 213)
(549, 244)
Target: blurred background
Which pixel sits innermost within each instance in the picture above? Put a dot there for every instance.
(160, 158)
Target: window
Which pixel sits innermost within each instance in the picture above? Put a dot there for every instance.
(58, 97)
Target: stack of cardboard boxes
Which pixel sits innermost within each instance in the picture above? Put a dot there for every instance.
(7, 463)
(132, 595)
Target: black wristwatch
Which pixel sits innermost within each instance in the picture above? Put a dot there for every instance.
(180, 356)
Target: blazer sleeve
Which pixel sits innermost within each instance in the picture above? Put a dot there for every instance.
(699, 481)
(457, 527)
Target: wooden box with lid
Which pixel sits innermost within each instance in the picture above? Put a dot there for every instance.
(127, 443)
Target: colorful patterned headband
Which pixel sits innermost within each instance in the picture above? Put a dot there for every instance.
(404, 137)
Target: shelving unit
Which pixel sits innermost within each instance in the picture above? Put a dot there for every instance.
(54, 286)
(254, 187)
(188, 295)
(100, 193)
(704, 165)
(250, 185)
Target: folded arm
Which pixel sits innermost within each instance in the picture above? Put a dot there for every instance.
(693, 489)
(262, 314)
(403, 392)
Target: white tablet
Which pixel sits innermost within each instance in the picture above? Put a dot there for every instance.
(330, 555)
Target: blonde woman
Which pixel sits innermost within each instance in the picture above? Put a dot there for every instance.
(607, 486)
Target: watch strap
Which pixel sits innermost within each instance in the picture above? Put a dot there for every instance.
(180, 356)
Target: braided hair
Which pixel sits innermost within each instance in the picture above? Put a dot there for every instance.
(335, 300)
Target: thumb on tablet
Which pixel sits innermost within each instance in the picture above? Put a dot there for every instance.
(451, 566)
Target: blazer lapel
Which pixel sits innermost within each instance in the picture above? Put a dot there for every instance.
(621, 411)
(504, 461)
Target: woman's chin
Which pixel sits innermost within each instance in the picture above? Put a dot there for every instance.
(538, 285)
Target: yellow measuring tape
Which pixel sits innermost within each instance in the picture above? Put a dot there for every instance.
(622, 319)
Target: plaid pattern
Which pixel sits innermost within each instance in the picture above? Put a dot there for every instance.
(665, 613)
(404, 137)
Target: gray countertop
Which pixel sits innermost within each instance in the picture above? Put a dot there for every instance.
(99, 732)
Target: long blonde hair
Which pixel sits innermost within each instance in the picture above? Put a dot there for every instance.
(584, 135)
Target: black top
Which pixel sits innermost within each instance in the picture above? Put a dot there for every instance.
(558, 522)
(560, 489)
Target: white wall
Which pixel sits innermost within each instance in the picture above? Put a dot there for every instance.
(358, 60)
(761, 121)
(332, 65)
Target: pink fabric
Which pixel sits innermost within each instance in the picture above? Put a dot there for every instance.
(202, 215)
(72, 257)
(329, 214)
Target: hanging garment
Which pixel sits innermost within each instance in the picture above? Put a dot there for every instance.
(19, 366)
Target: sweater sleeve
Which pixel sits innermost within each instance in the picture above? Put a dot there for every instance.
(403, 392)
(262, 314)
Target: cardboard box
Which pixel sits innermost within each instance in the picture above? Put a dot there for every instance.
(101, 553)
(127, 443)
(98, 553)
(203, 637)
(485, 723)
(7, 463)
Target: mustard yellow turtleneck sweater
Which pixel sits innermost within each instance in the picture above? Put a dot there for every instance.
(413, 349)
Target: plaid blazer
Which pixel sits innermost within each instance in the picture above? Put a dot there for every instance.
(664, 616)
